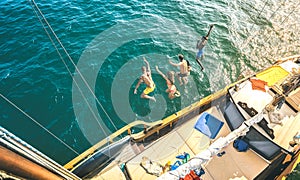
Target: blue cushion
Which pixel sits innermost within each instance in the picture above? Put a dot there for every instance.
(240, 145)
(208, 125)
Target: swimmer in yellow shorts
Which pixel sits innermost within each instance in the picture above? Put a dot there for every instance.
(147, 79)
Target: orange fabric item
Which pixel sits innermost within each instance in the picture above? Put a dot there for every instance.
(258, 84)
(191, 176)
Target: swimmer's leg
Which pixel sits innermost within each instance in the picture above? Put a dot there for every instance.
(198, 61)
(145, 96)
(179, 78)
(180, 81)
(185, 80)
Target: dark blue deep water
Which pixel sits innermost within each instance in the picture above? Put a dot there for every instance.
(107, 40)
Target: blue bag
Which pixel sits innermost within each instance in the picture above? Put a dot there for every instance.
(240, 145)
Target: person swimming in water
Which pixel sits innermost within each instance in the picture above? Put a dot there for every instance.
(147, 79)
(184, 69)
(170, 80)
(200, 47)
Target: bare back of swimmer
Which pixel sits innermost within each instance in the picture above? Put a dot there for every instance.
(184, 69)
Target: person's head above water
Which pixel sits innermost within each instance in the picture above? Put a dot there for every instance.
(144, 69)
(180, 56)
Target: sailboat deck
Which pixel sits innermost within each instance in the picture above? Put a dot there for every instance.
(288, 125)
(114, 173)
(166, 150)
(187, 139)
(291, 128)
(232, 164)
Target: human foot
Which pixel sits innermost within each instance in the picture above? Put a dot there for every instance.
(153, 99)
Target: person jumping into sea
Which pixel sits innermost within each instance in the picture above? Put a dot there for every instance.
(200, 46)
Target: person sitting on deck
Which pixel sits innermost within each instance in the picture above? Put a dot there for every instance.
(172, 90)
(147, 79)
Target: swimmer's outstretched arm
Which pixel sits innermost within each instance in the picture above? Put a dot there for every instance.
(137, 86)
(174, 64)
(162, 74)
(147, 64)
(209, 31)
(204, 38)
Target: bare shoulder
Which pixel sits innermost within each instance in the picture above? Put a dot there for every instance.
(180, 63)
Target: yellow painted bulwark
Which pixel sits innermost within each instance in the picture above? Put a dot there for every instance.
(273, 75)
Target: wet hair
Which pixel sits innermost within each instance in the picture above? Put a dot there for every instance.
(188, 63)
(180, 56)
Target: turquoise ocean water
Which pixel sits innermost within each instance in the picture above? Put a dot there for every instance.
(107, 40)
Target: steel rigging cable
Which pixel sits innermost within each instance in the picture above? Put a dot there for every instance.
(69, 71)
(40, 125)
(77, 70)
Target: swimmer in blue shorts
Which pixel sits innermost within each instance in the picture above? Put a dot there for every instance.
(200, 46)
